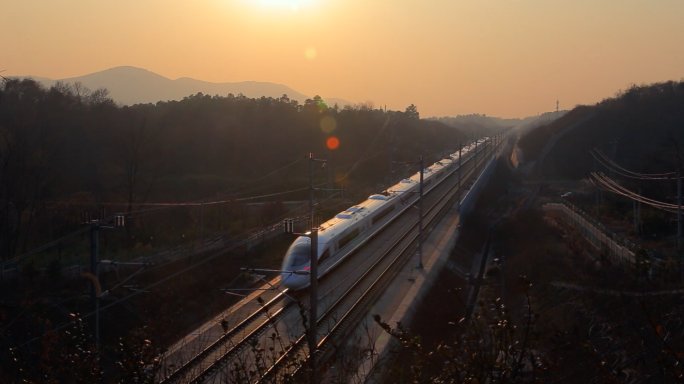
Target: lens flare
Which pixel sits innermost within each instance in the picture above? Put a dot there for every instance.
(332, 142)
(328, 124)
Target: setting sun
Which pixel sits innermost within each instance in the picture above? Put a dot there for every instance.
(292, 4)
(354, 155)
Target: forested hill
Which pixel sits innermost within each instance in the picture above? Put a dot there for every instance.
(640, 127)
(130, 85)
(63, 144)
(483, 120)
(86, 142)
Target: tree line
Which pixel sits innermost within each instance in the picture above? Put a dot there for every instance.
(66, 144)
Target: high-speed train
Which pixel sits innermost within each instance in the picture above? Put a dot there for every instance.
(336, 234)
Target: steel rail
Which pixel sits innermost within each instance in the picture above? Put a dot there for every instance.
(256, 333)
(372, 289)
(223, 340)
(371, 293)
(281, 312)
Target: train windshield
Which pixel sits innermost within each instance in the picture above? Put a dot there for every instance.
(299, 253)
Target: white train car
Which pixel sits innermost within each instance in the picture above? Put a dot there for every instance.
(336, 234)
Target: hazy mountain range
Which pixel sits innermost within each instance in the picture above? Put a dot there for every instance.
(130, 85)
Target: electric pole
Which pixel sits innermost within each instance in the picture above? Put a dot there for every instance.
(420, 216)
(311, 191)
(460, 146)
(313, 306)
(391, 149)
(679, 216)
(634, 214)
(95, 291)
(597, 195)
(313, 269)
(639, 215)
(421, 162)
(331, 175)
(202, 223)
(94, 262)
(475, 157)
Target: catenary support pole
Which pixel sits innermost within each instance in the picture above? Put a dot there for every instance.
(94, 262)
(475, 158)
(313, 291)
(634, 215)
(460, 193)
(598, 211)
(389, 179)
(313, 307)
(330, 173)
(639, 215)
(679, 217)
(202, 224)
(420, 216)
(311, 191)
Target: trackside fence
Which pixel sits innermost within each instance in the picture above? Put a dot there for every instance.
(618, 249)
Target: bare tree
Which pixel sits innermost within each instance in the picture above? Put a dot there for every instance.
(137, 159)
(81, 92)
(24, 163)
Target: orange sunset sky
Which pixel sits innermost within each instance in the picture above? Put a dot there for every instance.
(508, 58)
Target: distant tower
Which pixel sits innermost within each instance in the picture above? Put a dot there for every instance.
(557, 103)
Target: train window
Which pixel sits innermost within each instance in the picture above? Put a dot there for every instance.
(346, 239)
(299, 254)
(377, 197)
(325, 256)
(426, 182)
(382, 214)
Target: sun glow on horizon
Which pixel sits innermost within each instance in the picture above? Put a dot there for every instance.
(291, 4)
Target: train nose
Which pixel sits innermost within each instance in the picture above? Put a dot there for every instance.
(287, 278)
(293, 280)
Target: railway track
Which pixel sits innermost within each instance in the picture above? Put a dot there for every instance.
(356, 300)
(207, 363)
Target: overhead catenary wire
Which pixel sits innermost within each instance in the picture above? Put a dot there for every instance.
(611, 186)
(611, 165)
(187, 269)
(49, 245)
(632, 172)
(158, 206)
(272, 223)
(361, 159)
(153, 285)
(614, 185)
(207, 201)
(161, 206)
(163, 265)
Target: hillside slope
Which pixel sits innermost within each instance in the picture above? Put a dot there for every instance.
(130, 85)
(640, 128)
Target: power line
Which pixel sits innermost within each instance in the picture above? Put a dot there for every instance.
(610, 185)
(187, 269)
(361, 159)
(603, 159)
(206, 201)
(162, 206)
